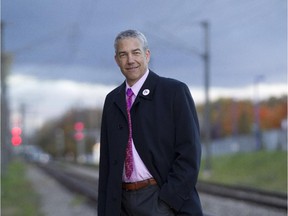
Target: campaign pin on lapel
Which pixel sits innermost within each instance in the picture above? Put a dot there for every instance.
(146, 92)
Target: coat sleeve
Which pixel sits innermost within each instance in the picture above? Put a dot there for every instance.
(183, 174)
(103, 168)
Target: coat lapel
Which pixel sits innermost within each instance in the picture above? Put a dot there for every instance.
(120, 99)
(147, 90)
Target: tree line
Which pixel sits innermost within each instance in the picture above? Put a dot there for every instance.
(227, 117)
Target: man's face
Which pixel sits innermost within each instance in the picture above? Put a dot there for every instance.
(132, 59)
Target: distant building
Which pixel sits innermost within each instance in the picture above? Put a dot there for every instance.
(96, 153)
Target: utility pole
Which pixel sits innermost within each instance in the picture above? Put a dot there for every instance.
(257, 128)
(206, 58)
(6, 61)
(206, 117)
(59, 142)
(23, 123)
(79, 136)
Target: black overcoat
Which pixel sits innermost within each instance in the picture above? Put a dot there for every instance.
(166, 136)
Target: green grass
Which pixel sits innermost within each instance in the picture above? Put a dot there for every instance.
(17, 195)
(262, 170)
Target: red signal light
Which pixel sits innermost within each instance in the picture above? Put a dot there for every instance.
(79, 127)
(78, 136)
(16, 139)
(16, 131)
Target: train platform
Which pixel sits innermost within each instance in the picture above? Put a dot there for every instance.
(56, 199)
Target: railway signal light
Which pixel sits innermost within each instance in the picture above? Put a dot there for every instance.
(79, 131)
(16, 139)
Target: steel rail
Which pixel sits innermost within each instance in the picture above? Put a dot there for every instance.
(88, 187)
(250, 195)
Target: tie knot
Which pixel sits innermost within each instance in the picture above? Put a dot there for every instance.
(129, 92)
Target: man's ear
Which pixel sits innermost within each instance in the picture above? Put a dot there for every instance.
(148, 55)
(116, 59)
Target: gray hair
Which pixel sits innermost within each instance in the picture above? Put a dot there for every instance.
(131, 34)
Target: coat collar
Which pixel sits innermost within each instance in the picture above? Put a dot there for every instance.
(146, 92)
(120, 99)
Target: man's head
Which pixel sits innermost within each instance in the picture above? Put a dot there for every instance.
(132, 54)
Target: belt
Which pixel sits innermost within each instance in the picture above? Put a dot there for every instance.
(133, 186)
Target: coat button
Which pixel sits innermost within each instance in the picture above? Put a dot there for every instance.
(120, 126)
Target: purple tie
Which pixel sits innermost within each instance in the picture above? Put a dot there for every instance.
(129, 153)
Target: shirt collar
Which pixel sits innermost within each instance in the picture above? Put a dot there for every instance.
(137, 86)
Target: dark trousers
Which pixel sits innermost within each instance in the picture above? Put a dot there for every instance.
(144, 202)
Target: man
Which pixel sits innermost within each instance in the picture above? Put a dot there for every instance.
(150, 148)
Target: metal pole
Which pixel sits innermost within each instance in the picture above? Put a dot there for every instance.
(206, 58)
(23, 123)
(6, 60)
(257, 130)
(59, 141)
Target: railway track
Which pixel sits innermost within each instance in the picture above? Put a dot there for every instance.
(82, 184)
(250, 195)
(87, 185)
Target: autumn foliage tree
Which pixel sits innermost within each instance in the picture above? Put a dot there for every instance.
(46, 136)
(236, 117)
(228, 117)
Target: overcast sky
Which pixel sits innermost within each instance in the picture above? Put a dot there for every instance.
(71, 41)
